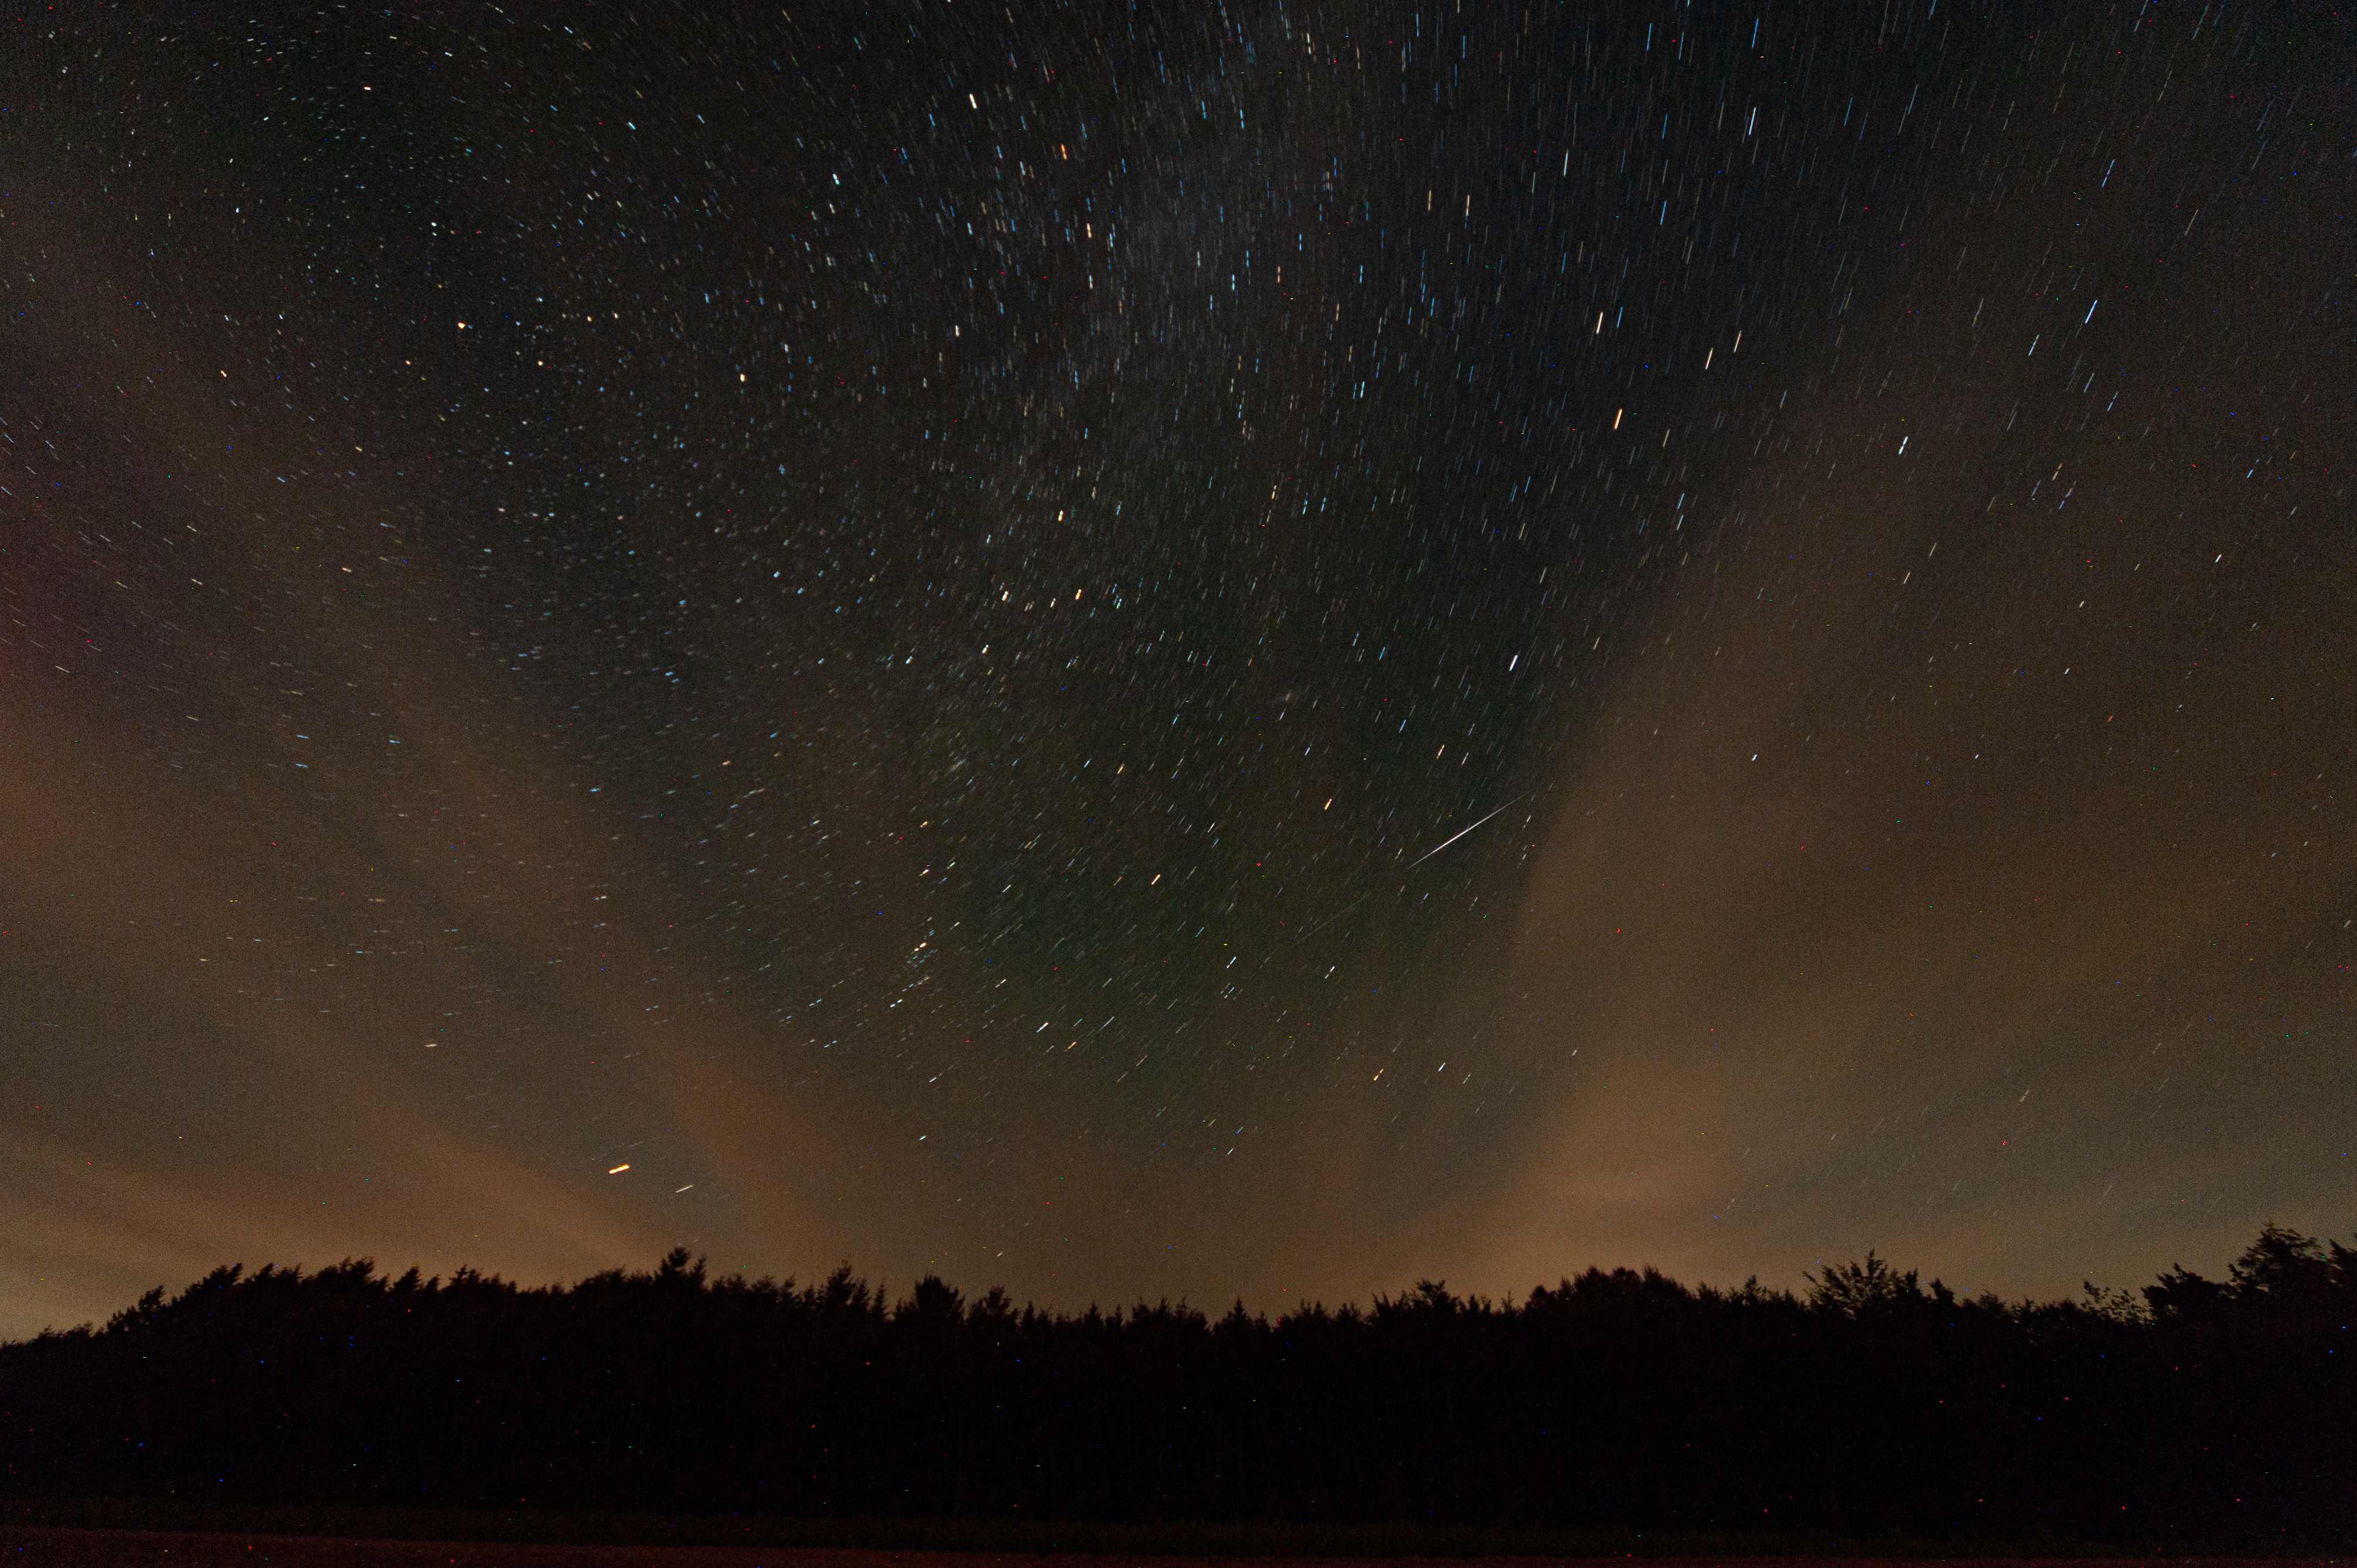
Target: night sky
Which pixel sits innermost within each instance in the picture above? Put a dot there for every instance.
(1175, 649)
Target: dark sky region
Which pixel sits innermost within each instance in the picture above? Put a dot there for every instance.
(875, 614)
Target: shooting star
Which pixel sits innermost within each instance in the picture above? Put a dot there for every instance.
(1410, 865)
(1460, 833)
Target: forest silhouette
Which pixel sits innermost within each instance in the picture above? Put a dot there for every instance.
(2218, 1411)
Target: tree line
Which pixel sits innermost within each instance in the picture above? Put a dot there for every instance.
(2205, 1411)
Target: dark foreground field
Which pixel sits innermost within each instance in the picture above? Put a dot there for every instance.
(181, 1549)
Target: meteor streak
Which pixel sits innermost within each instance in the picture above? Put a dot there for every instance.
(1410, 865)
(1460, 833)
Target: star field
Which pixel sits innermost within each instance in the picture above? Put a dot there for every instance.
(1130, 651)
